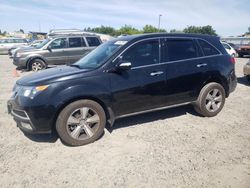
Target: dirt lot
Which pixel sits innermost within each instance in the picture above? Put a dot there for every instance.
(171, 148)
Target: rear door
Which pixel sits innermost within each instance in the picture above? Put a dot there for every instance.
(77, 49)
(185, 72)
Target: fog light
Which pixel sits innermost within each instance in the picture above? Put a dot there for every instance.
(26, 126)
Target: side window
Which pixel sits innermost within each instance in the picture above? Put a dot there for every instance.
(226, 46)
(93, 41)
(58, 43)
(75, 42)
(179, 49)
(143, 53)
(207, 48)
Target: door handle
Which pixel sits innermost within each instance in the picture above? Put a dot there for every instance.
(201, 65)
(156, 73)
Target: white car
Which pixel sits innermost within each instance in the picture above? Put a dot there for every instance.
(8, 43)
(230, 50)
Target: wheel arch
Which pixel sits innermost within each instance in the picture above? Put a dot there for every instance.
(108, 111)
(220, 80)
(30, 59)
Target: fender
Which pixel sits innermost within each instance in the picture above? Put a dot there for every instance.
(34, 56)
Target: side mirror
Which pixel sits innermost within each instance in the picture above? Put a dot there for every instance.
(124, 66)
(49, 48)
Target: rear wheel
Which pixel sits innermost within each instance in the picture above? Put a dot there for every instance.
(37, 65)
(211, 100)
(81, 122)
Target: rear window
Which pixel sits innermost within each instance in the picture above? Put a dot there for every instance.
(207, 48)
(179, 49)
(93, 41)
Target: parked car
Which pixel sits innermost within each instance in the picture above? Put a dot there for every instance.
(34, 44)
(124, 77)
(244, 50)
(8, 43)
(246, 70)
(55, 51)
(230, 50)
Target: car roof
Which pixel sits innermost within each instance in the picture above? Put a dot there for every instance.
(141, 36)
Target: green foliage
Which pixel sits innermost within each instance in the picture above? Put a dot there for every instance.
(21, 30)
(127, 30)
(200, 30)
(175, 31)
(151, 29)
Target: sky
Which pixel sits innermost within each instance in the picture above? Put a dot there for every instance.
(227, 17)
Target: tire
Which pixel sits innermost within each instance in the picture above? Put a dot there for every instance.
(211, 100)
(78, 124)
(248, 77)
(240, 55)
(37, 65)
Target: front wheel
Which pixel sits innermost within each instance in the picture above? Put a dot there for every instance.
(81, 122)
(37, 65)
(211, 100)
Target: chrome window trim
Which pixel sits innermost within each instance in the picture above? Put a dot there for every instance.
(170, 37)
(154, 109)
(170, 62)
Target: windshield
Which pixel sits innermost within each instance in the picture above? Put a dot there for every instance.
(98, 56)
(42, 44)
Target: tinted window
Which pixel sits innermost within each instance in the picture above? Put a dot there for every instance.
(93, 41)
(58, 43)
(75, 42)
(143, 53)
(226, 46)
(178, 49)
(207, 48)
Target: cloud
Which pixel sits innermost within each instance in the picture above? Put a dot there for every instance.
(223, 16)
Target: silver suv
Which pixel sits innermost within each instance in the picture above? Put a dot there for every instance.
(55, 51)
(8, 43)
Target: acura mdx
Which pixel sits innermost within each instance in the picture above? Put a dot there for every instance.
(124, 77)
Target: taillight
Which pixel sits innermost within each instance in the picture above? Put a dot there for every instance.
(232, 60)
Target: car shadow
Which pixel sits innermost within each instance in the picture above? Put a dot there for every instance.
(50, 138)
(242, 80)
(153, 116)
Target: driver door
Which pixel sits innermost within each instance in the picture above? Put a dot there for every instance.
(56, 53)
(139, 88)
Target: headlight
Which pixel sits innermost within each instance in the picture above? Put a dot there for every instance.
(31, 92)
(18, 54)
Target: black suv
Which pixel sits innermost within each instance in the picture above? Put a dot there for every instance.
(55, 51)
(124, 77)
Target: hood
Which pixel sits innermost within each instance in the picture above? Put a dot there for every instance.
(51, 75)
(27, 49)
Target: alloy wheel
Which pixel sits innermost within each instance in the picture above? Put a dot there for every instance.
(36, 66)
(213, 100)
(83, 123)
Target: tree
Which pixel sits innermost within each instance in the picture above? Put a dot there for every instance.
(21, 30)
(128, 30)
(201, 30)
(175, 31)
(248, 32)
(151, 29)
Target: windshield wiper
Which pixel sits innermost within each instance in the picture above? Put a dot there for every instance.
(75, 65)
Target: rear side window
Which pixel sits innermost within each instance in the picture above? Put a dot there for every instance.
(179, 49)
(207, 48)
(143, 53)
(76, 42)
(93, 41)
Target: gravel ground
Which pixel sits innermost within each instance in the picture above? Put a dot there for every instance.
(170, 148)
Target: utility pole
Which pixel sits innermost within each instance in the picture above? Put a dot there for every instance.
(159, 23)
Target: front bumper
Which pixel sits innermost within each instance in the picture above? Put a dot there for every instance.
(19, 62)
(246, 70)
(26, 121)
